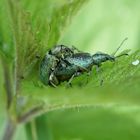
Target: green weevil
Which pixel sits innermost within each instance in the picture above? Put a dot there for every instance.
(73, 64)
(50, 61)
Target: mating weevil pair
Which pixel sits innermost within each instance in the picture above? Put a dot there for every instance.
(62, 63)
(50, 62)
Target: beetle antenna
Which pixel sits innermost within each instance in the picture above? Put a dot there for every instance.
(121, 55)
(120, 47)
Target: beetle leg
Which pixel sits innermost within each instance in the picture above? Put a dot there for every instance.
(53, 80)
(99, 77)
(70, 80)
(88, 74)
(74, 75)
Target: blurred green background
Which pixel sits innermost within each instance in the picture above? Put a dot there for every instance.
(102, 25)
(98, 26)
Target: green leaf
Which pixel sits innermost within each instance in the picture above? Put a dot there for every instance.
(60, 18)
(37, 26)
(114, 122)
(35, 133)
(119, 78)
(32, 39)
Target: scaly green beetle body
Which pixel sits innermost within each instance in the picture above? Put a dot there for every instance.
(78, 64)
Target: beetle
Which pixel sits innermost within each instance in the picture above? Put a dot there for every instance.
(80, 63)
(50, 61)
(47, 65)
